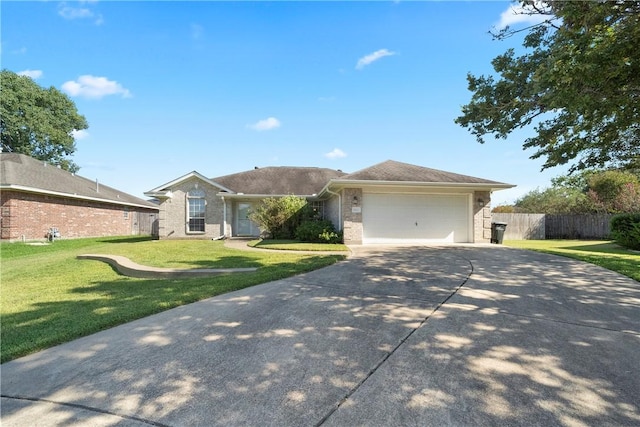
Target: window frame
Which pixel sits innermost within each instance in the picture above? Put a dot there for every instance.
(196, 214)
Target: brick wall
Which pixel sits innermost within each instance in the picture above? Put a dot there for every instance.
(30, 215)
(173, 212)
(481, 216)
(352, 214)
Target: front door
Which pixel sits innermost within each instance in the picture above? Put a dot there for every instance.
(245, 226)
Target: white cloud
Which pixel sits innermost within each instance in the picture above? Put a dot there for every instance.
(34, 74)
(79, 10)
(336, 153)
(89, 86)
(327, 98)
(517, 14)
(79, 134)
(266, 124)
(372, 57)
(197, 31)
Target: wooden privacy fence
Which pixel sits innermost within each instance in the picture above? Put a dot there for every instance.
(522, 226)
(146, 223)
(543, 226)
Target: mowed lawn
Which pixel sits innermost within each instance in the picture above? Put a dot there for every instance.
(606, 254)
(50, 297)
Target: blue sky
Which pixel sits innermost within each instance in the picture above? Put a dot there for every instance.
(222, 87)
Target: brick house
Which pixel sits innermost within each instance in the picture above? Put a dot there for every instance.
(36, 197)
(390, 202)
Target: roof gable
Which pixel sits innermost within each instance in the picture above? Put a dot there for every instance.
(23, 173)
(280, 180)
(165, 189)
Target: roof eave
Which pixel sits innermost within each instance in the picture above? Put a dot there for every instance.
(261, 196)
(162, 188)
(25, 189)
(342, 183)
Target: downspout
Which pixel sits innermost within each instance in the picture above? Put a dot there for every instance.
(224, 217)
(339, 208)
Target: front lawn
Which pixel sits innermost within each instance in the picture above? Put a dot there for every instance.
(295, 245)
(606, 254)
(50, 297)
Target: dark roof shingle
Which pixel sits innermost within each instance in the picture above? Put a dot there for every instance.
(392, 171)
(19, 170)
(279, 180)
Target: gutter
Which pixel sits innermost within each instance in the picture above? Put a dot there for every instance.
(367, 183)
(22, 189)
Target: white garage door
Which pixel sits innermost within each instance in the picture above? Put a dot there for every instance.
(423, 218)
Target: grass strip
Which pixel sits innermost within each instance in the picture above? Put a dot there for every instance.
(606, 254)
(49, 297)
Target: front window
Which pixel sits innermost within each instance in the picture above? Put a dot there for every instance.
(197, 207)
(317, 207)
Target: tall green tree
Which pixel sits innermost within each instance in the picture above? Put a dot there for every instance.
(38, 122)
(577, 85)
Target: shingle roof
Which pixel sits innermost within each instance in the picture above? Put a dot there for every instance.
(392, 171)
(25, 173)
(280, 180)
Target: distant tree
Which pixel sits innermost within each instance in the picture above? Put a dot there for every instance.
(554, 200)
(279, 216)
(504, 209)
(38, 122)
(578, 85)
(614, 191)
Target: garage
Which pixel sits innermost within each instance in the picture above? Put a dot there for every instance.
(416, 218)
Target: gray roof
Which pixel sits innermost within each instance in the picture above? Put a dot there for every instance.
(392, 171)
(24, 173)
(280, 180)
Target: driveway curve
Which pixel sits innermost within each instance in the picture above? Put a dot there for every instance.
(393, 336)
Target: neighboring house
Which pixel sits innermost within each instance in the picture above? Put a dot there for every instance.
(36, 197)
(390, 202)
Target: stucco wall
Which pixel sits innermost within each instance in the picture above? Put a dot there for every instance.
(332, 211)
(174, 215)
(31, 215)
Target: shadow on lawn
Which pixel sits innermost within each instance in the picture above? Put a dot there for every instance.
(604, 247)
(110, 303)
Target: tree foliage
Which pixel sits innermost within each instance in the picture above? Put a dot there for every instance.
(614, 192)
(553, 200)
(606, 191)
(38, 122)
(279, 216)
(578, 85)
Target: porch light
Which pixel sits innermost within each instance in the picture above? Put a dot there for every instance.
(481, 202)
(355, 200)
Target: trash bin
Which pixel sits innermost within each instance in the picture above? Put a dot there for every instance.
(497, 232)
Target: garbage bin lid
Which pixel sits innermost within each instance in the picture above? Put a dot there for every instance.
(499, 223)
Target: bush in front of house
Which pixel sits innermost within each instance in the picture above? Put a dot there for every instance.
(625, 229)
(314, 231)
(279, 216)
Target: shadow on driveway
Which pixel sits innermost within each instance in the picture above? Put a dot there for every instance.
(454, 335)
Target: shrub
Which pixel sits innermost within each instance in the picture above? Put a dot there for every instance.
(625, 229)
(279, 217)
(318, 232)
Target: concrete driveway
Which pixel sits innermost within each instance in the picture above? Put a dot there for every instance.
(424, 336)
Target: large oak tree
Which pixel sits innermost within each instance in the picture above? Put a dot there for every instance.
(577, 84)
(38, 122)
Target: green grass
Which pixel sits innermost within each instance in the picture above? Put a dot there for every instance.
(50, 297)
(294, 245)
(606, 254)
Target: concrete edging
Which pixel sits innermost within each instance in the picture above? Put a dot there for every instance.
(129, 268)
